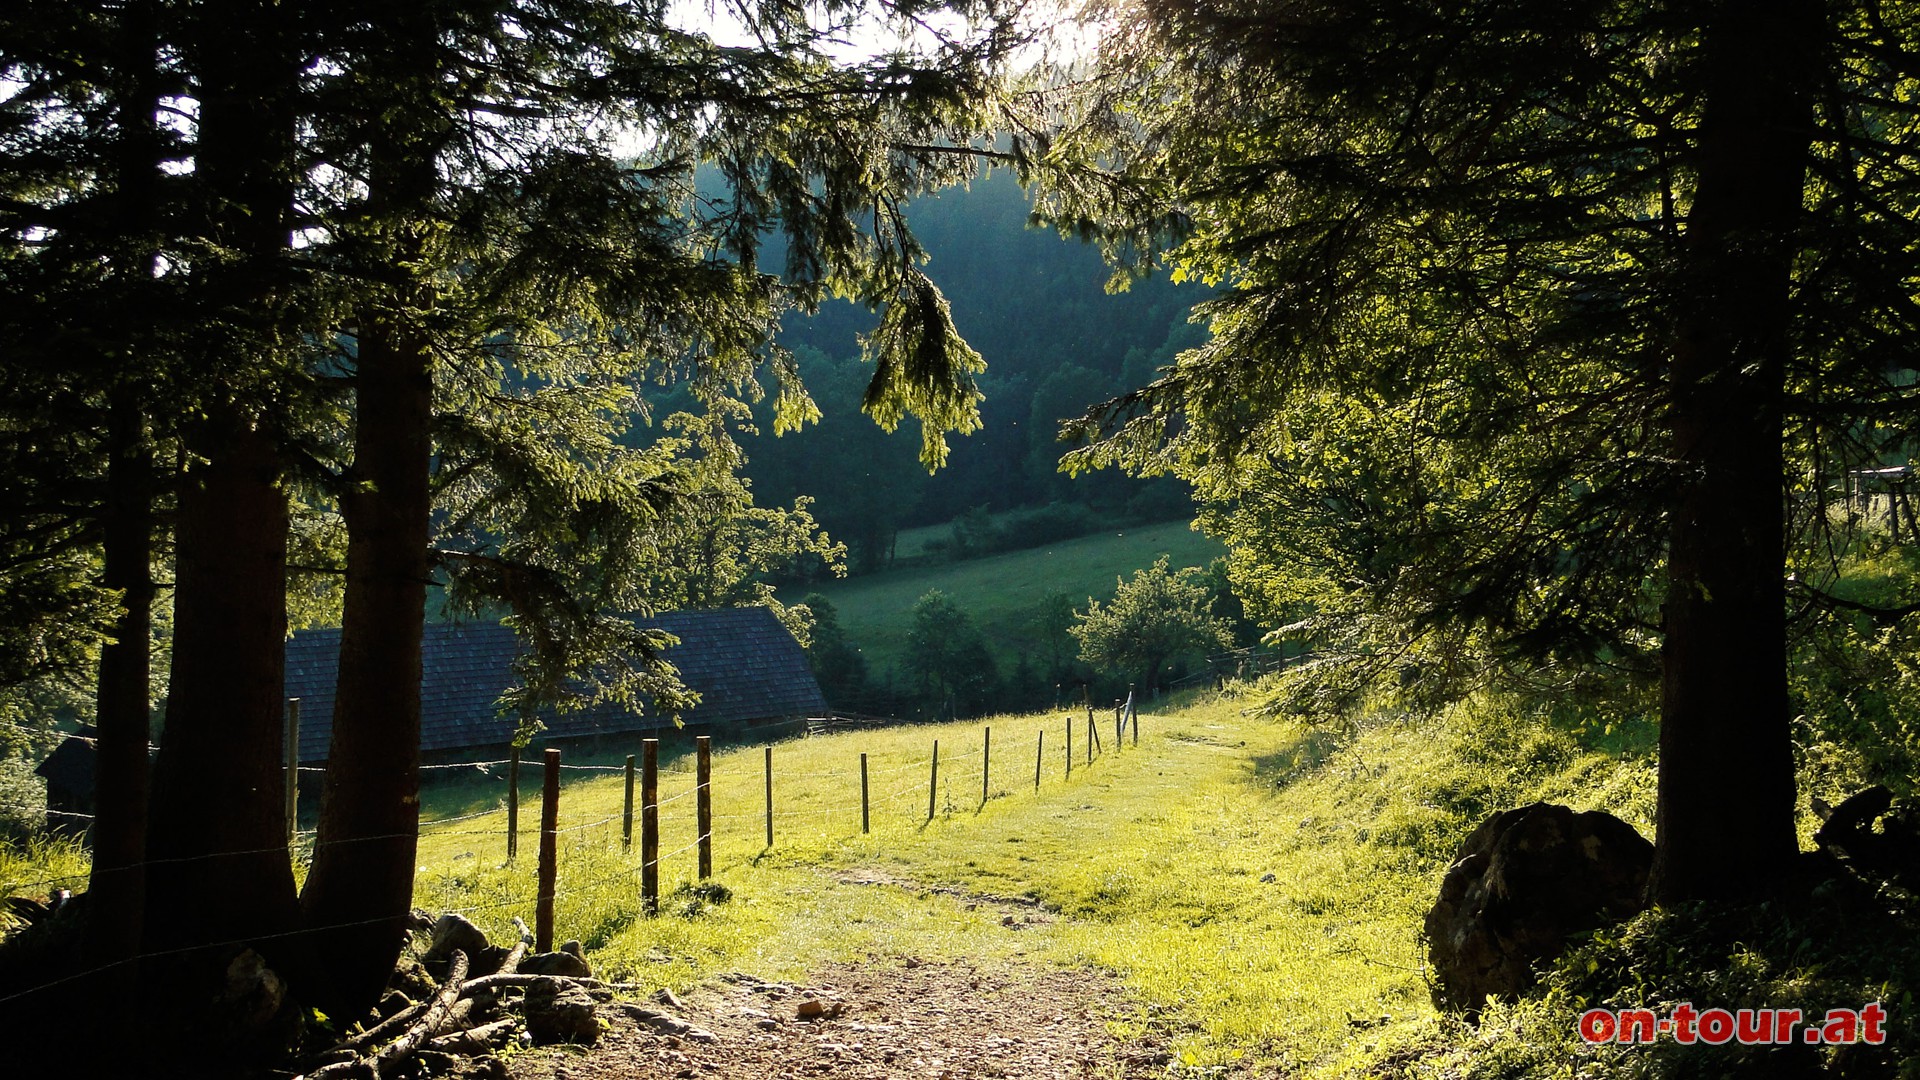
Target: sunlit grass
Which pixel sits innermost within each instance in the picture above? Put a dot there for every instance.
(1149, 863)
(1000, 592)
(1152, 862)
(41, 864)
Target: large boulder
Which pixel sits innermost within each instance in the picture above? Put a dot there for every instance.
(1526, 881)
(569, 962)
(454, 933)
(559, 1010)
(1876, 834)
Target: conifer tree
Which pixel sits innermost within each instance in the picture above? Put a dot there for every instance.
(1537, 316)
(429, 255)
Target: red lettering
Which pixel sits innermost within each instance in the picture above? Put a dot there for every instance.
(1638, 1025)
(1871, 1018)
(1716, 1026)
(1597, 1025)
(1683, 1018)
(1842, 1027)
(1784, 1021)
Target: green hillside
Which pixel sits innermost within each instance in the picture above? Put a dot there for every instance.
(1000, 592)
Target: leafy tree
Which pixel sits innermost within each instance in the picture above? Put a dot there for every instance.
(836, 661)
(947, 657)
(1537, 317)
(1156, 617)
(1050, 625)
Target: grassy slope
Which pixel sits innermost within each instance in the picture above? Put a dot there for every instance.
(1001, 591)
(1150, 863)
(1152, 860)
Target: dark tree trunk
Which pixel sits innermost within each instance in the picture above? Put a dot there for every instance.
(117, 884)
(360, 890)
(361, 884)
(218, 868)
(217, 846)
(1725, 826)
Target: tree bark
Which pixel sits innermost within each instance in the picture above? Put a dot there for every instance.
(117, 881)
(217, 846)
(361, 884)
(116, 886)
(360, 890)
(1724, 823)
(218, 866)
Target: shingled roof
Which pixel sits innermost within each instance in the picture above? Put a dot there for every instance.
(747, 668)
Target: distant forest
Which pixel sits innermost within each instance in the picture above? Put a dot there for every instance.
(1055, 341)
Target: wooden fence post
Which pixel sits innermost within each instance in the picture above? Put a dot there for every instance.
(650, 824)
(1069, 747)
(933, 781)
(293, 767)
(986, 764)
(1133, 714)
(549, 854)
(864, 820)
(703, 781)
(513, 803)
(1093, 735)
(769, 797)
(1039, 756)
(626, 813)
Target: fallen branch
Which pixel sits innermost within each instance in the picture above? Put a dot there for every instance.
(473, 1041)
(436, 1015)
(508, 979)
(519, 950)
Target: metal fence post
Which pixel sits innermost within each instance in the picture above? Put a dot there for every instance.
(293, 767)
(626, 812)
(513, 804)
(986, 764)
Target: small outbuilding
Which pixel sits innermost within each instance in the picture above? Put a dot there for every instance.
(746, 666)
(68, 772)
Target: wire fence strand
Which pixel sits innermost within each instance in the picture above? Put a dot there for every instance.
(811, 798)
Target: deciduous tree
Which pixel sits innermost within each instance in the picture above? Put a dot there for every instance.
(1547, 329)
(1158, 615)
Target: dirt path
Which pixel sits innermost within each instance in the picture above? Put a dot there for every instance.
(891, 1018)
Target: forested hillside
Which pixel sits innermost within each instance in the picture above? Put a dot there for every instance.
(1056, 340)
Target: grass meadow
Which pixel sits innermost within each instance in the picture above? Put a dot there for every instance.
(1257, 883)
(1001, 592)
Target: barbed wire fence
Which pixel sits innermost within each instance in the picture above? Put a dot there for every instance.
(838, 802)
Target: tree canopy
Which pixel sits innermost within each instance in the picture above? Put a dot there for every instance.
(1157, 616)
(1534, 318)
(375, 292)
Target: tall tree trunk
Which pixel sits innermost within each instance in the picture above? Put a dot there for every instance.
(218, 861)
(117, 884)
(361, 884)
(218, 865)
(360, 890)
(1725, 827)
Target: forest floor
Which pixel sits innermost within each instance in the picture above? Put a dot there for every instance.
(945, 1020)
